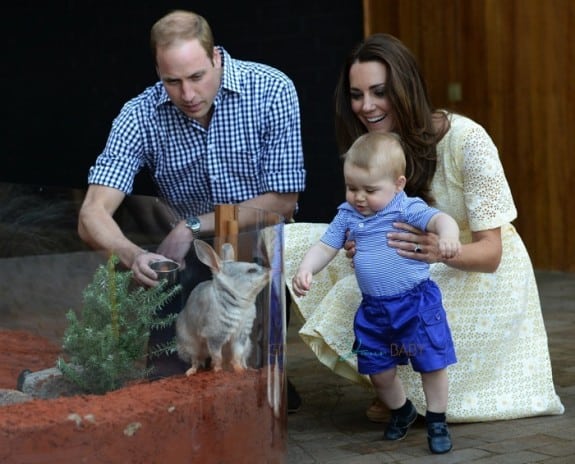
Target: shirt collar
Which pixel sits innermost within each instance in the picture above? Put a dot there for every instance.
(163, 98)
(396, 204)
(230, 74)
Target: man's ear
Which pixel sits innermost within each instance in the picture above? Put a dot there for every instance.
(400, 183)
(217, 60)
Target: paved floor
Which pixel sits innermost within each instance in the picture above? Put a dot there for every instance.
(331, 426)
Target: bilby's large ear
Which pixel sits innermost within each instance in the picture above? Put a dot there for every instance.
(207, 255)
(227, 252)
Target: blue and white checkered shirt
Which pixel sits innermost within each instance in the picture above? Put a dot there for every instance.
(379, 269)
(252, 145)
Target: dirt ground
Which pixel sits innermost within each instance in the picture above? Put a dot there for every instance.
(210, 418)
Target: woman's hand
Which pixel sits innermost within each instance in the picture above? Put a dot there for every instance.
(349, 247)
(483, 254)
(415, 243)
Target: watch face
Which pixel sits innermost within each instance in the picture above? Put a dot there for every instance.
(194, 224)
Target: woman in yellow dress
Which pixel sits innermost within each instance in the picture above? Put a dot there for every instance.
(489, 289)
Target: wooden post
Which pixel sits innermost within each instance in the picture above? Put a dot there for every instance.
(226, 227)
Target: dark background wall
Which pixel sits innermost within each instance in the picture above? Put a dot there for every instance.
(68, 66)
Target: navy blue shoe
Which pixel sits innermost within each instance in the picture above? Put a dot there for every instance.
(399, 425)
(438, 438)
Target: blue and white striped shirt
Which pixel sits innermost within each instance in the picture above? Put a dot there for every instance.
(252, 145)
(380, 271)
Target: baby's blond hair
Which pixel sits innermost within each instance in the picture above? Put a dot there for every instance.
(377, 151)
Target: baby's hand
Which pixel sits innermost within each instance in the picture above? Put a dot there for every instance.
(301, 283)
(449, 247)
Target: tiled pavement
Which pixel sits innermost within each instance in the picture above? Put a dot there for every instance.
(331, 426)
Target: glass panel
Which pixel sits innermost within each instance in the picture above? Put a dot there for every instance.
(44, 269)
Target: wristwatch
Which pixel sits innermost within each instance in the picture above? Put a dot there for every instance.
(193, 223)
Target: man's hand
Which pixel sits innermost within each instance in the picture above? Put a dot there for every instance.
(141, 270)
(177, 243)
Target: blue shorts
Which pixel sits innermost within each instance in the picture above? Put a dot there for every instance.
(412, 326)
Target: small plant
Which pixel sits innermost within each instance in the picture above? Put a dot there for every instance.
(107, 347)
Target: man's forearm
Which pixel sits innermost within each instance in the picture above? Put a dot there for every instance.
(103, 233)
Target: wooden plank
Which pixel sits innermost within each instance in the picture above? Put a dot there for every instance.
(515, 62)
(226, 227)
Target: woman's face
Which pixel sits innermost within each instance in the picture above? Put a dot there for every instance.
(369, 100)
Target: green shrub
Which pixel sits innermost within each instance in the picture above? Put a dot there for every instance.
(107, 347)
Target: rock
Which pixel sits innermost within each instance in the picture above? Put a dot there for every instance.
(8, 397)
(46, 384)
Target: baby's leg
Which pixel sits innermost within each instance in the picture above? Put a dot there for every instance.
(435, 387)
(389, 388)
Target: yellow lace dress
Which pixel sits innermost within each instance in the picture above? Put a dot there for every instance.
(503, 369)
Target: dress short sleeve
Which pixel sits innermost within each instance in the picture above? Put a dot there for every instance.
(470, 183)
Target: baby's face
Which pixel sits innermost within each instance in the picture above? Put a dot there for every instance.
(367, 190)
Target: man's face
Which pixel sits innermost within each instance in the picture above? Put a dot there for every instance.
(190, 78)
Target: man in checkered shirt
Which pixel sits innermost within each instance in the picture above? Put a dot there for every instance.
(212, 130)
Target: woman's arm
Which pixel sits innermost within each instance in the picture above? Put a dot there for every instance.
(483, 254)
